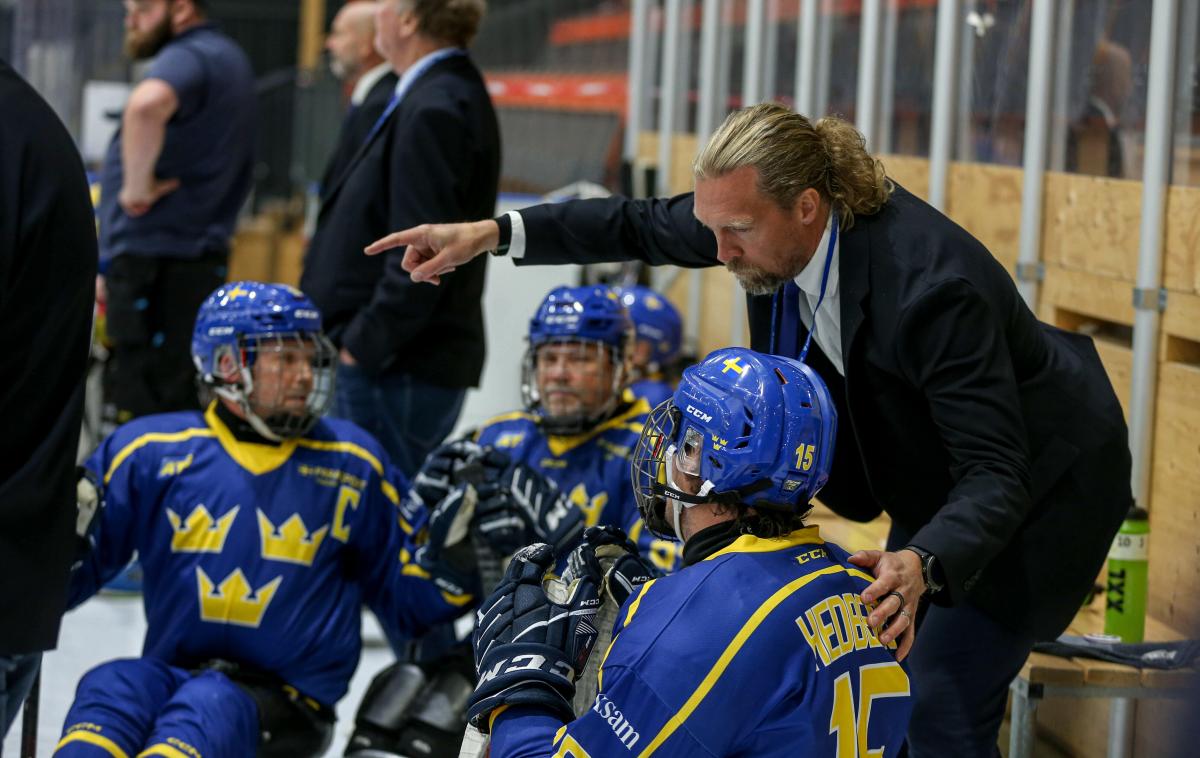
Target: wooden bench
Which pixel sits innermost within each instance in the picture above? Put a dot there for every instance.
(1045, 676)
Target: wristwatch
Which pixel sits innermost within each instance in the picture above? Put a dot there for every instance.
(928, 569)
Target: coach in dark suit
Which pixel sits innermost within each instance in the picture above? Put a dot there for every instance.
(354, 60)
(408, 353)
(994, 442)
(47, 284)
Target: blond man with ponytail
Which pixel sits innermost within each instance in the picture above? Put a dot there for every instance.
(995, 442)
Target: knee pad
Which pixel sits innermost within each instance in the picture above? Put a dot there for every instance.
(409, 714)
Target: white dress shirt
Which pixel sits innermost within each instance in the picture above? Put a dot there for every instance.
(367, 81)
(829, 318)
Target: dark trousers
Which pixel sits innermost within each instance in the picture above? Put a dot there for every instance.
(961, 666)
(152, 304)
(17, 673)
(409, 417)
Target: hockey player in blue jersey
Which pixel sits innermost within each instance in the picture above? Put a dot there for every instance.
(540, 475)
(760, 646)
(263, 529)
(659, 337)
(580, 424)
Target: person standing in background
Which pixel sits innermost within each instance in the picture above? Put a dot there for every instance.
(408, 354)
(47, 266)
(175, 176)
(354, 60)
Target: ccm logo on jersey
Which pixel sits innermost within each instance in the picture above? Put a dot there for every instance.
(616, 721)
(705, 417)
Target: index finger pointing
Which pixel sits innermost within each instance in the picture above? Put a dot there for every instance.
(394, 240)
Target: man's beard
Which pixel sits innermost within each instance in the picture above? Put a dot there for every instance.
(142, 45)
(755, 280)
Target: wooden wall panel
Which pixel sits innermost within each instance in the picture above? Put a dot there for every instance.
(1080, 292)
(1182, 317)
(716, 315)
(1092, 224)
(1181, 259)
(1175, 497)
(911, 172)
(986, 201)
(683, 151)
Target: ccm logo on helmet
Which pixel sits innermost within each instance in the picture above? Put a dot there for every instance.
(699, 414)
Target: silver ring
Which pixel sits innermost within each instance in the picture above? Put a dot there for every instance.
(904, 612)
(898, 595)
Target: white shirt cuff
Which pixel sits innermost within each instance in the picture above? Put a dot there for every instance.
(516, 244)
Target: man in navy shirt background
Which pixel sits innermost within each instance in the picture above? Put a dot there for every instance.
(173, 181)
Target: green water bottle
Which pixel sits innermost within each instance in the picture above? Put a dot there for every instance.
(1125, 610)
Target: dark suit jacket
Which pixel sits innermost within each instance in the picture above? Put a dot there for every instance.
(992, 440)
(437, 158)
(355, 128)
(47, 284)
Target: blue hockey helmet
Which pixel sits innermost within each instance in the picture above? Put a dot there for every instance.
(655, 321)
(743, 428)
(593, 319)
(236, 326)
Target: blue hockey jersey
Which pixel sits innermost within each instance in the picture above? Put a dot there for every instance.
(258, 554)
(762, 649)
(591, 468)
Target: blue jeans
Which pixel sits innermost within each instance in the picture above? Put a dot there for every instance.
(17, 673)
(409, 417)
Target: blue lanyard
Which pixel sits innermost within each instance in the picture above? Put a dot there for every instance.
(406, 82)
(776, 311)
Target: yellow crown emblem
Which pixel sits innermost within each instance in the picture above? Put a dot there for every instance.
(590, 505)
(199, 533)
(231, 603)
(294, 544)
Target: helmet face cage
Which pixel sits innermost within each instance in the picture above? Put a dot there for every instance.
(651, 469)
(584, 353)
(266, 373)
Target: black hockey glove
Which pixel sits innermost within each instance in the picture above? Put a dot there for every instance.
(529, 648)
(444, 555)
(613, 562)
(522, 507)
(453, 464)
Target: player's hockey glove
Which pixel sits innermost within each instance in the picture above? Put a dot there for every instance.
(612, 560)
(452, 465)
(521, 507)
(529, 647)
(443, 554)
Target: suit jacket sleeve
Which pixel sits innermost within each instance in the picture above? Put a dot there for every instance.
(657, 231)
(952, 345)
(429, 161)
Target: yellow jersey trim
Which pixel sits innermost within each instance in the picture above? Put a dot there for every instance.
(150, 438)
(163, 748)
(748, 543)
(733, 648)
(511, 416)
(492, 716)
(92, 738)
(256, 458)
(560, 445)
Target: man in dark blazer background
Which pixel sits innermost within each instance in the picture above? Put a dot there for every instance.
(408, 353)
(48, 263)
(354, 60)
(994, 442)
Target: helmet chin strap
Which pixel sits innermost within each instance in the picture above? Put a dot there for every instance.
(678, 505)
(242, 398)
